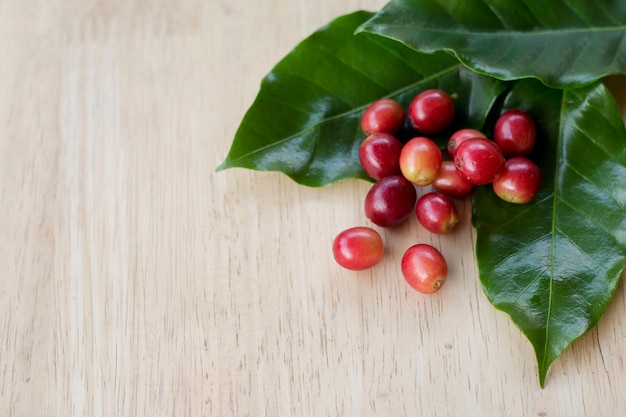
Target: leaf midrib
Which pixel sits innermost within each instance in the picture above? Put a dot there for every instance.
(517, 33)
(233, 162)
(554, 230)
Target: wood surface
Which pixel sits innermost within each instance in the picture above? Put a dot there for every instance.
(137, 281)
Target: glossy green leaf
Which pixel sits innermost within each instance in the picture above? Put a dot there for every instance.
(554, 264)
(305, 120)
(561, 42)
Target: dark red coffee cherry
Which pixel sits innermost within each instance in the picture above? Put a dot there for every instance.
(379, 155)
(390, 201)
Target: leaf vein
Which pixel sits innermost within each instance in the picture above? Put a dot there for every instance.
(590, 181)
(527, 287)
(576, 12)
(573, 243)
(586, 217)
(350, 68)
(520, 249)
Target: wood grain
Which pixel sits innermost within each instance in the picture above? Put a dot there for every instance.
(137, 281)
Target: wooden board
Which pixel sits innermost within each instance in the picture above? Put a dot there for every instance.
(137, 281)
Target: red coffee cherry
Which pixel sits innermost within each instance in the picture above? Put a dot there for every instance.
(515, 132)
(358, 248)
(424, 268)
(431, 111)
(479, 160)
(437, 213)
(420, 160)
(450, 182)
(519, 181)
(382, 116)
(461, 136)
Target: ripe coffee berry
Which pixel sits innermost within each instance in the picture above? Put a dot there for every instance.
(390, 201)
(479, 160)
(515, 132)
(450, 182)
(431, 111)
(461, 136)
(437, 213)
(379, 155)
(424, 268)
(358, 248)
(519, 181)
(420, 160)
(382, 116)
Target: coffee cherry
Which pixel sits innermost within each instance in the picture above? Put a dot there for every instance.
(450, 182)
(358, 248)
(519, 181)
(431, 111)
(390, 201)
(479, 160)
(424, 268)
(437, 213)
(515, 132)
(382, 116)
(420, 160)
(461, 136)
(379, 155)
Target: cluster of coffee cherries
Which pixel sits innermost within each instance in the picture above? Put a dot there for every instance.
(471, 159)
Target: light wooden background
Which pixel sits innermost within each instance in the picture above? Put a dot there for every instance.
(136, 281)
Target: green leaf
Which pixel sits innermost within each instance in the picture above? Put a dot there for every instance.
(305, 120)
(554, 264)
(561, 42)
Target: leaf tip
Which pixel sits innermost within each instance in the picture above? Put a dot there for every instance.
(224, 165)
(543, 368)
(542, 379)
